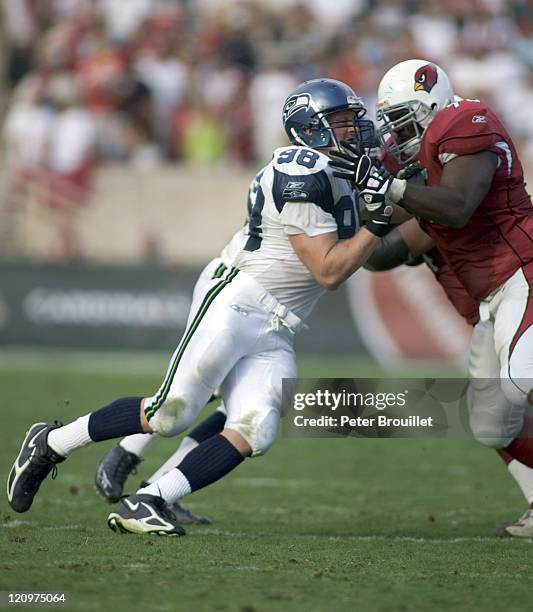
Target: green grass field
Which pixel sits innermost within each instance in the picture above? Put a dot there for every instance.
(317, 524)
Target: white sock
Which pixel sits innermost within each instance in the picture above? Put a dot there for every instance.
(524, 477)
(185, 447)
(171, 487)
(138, 443)
(68, 438)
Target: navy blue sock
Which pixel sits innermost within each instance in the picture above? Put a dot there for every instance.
(120, 418)
(210, 461)
(209, 427)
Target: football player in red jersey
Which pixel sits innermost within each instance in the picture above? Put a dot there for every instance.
(477, 212)
(408, 244)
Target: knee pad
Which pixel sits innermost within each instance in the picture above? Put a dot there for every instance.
(494, 423)
(515, 391)
(172, 418)
(487, 434)
(258, 429)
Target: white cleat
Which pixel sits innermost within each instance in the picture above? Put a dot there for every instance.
(523, 528)
(144, 514)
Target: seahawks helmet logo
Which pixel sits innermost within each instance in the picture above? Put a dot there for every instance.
(296, 103)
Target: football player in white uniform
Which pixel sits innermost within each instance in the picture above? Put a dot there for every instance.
(304, 238)
(118, 463)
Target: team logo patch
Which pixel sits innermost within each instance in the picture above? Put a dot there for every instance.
(479, 119)
(426, 78)
(294, 191)
(296, 103)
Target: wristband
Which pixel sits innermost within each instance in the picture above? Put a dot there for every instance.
(396, 190)
(378, 229)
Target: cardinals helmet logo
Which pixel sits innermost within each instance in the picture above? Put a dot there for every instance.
(426, 78)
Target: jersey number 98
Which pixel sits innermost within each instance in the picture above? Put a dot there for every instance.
(305, 157)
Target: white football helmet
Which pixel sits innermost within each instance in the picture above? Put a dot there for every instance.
(409, 96)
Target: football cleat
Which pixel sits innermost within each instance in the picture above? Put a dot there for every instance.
(144, 514)
(32, 465)
(183, 516)
(113, 471)
(186, 517)
(522, 528)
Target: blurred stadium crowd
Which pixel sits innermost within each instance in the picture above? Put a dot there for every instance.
(149, 81)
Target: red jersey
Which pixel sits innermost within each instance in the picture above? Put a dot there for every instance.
(465, 305)
(498, 238)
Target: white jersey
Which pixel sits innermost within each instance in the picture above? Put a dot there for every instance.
(238, 241)
(234, 246)
(295, 193)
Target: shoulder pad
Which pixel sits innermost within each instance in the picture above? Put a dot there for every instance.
(299, 160)
(314, 188)
(463, 120)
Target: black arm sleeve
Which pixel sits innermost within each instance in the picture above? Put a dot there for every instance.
(389, 253)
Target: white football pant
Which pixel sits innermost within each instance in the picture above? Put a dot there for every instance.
(501, 362)
(239, 338)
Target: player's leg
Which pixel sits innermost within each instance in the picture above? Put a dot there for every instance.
(523, 475)
(222, 334)
(208, 428)
(46, 445)
(253, 397)
(512, 309)
(118, 463)
(493, 419)
(490, 412)
(252, 394)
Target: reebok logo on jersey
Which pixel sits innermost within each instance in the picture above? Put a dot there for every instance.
(294, 191)
(479, 119)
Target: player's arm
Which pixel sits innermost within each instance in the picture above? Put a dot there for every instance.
(403, 245)
(464, 183)
(331, 260)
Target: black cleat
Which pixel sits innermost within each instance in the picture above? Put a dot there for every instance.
(33, 464)
(186, 517)
(113, 471)
(183, 516)
(144, 514)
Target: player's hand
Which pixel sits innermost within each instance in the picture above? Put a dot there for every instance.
(351, 165)
(415, 173)
(380, 213)
(361, 172)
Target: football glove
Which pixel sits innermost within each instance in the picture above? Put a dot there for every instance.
(415, 173)
(351, 165)
(380, 213)
(360, 171)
